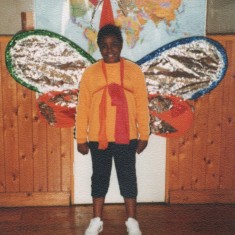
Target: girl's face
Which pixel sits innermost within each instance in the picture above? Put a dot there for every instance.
(110, 49)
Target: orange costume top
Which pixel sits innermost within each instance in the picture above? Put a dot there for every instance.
(96, 104)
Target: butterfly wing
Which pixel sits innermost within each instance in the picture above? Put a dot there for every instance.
(170, 116)
(52, 65)
(44, 61)
(184, 69)
(187, 68)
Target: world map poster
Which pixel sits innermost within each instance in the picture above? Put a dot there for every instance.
(146, 24)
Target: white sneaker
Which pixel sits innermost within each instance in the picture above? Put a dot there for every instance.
(95, 226)
(133, 227)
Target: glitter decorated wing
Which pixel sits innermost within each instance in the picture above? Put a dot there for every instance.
(170, 116)
(44, 61)
(184, 69)
(52, 65)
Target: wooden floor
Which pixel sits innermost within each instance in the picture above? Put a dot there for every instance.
(154, 219)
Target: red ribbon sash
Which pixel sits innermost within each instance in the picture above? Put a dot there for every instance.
(118, 99)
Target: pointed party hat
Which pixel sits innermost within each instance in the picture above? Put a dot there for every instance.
(106, 14)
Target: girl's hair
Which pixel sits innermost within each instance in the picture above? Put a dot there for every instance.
(108, 30)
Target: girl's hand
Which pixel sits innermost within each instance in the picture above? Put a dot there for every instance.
(83, 148)
(142, 144)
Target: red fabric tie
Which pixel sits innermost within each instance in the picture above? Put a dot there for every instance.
(103, 142)
(122, 121)
(118, 99)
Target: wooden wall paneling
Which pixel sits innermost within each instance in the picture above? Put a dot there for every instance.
(214, 137)
(54, 158)
(25, 138)
(39, 150)
(213, 144)
(227, 166)
(202, 196)
(72, 149)
(27, 20)
(185, 161)
(66, 156)
(2, 153)
(35, 199)
(172, 166)
(200, 129)
(11, 145)
(35, 161)
(231, 148)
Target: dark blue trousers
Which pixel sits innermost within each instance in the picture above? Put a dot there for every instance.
(124, 159)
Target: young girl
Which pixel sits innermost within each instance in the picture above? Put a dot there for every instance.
(113, 122)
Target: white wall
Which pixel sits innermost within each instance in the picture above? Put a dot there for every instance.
(10, 15)
(150, 174)
(220, 16)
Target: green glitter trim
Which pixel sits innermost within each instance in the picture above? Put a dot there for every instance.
(21, 35)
